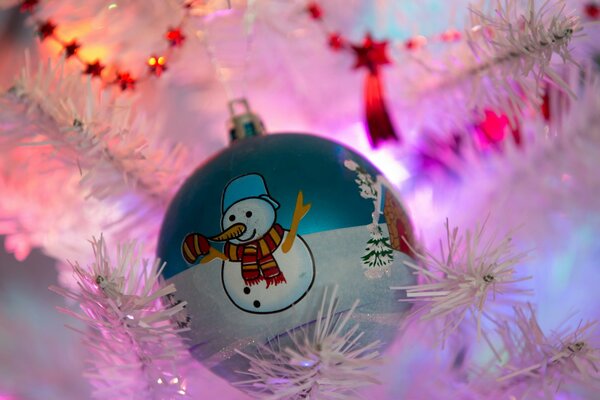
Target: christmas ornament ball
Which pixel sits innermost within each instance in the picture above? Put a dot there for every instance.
(256, 234)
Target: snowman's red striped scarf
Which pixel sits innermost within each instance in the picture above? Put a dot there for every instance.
(257, 259)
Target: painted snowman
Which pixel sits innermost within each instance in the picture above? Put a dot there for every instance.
(265, 268)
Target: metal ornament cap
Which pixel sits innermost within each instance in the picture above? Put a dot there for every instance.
(245, 123)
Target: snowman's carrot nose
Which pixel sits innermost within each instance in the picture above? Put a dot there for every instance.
(232, 232)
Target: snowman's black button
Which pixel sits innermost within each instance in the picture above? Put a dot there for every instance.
(246, 290)
(256, 303)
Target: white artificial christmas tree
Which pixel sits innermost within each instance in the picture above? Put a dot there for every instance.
(102, 152)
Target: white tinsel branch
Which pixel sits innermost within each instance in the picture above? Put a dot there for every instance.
(468, 274)
(566, 157)
(329, 363)
(536, 364)
(515, 49)
(131, 337)
(112, 149)
(90, 150)
(42, 203)
(510, 56)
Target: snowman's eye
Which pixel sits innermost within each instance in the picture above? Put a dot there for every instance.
(232, 218)
(248, 214)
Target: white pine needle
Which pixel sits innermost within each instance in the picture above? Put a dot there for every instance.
(468, 275)
(133, 343)
(546, 364)
(329, 363)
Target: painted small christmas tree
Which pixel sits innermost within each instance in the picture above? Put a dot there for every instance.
(379, 252)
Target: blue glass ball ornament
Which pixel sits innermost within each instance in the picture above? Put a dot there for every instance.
(256, 234)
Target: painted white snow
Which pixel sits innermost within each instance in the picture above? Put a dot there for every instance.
(218, 325)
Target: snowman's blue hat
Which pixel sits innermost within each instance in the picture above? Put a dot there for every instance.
(246, 187)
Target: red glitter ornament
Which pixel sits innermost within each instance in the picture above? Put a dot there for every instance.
(94, 69)
(371, 54)
(175, 37)
(71, 48)
(125, 81)
(336, 42)
(315, 11)
(28, 5)
(157, 65)
(46, 29)
(493, 128)
(592, 10)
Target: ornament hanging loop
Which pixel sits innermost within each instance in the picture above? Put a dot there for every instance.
(245, 123)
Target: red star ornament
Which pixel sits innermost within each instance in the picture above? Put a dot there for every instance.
(94, 69)
(71, 48)
(46, 29)
(371, 54)
(175, 37)
(125, 81)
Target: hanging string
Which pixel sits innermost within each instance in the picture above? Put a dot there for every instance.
(231, 64)
(229, 61)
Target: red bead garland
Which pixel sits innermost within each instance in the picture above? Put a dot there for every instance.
(157, 65)
(371, 55)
